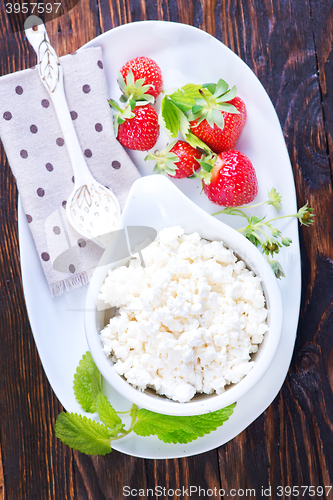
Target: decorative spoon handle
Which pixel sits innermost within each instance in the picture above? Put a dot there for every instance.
(51, 75)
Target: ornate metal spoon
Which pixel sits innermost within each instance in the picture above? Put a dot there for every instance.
(92, 209)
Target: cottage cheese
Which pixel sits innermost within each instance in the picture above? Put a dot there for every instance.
(188, 322)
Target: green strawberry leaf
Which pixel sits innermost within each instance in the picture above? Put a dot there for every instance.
(184, 125)
(170, 116)
(197, 143)
(108, 415)
(83, 379)
(171, 429)
(83, 434)
(185, 97)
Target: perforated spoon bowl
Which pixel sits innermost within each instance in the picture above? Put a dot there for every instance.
(92, 209)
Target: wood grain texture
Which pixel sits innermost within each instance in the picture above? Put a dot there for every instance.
(288, 44)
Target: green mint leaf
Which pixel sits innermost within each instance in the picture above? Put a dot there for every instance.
(170, 116)
(183, 430)
(83, 383)
(96, 384)
(108, 415)
(83, 434)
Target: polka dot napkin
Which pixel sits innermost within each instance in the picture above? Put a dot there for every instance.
(37, 154)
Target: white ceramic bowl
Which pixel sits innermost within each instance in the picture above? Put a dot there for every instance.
(154, 201)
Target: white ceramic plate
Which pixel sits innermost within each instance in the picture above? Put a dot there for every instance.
(57, 324)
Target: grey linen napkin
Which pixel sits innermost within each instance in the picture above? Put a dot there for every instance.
(37, 154)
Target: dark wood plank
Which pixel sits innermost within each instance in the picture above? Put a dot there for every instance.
(35, 463)
(178, 475)
(322, 18)
(287, 441)
(104, 478)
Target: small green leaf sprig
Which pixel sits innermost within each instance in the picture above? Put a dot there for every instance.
(263, 234)
(94, 438)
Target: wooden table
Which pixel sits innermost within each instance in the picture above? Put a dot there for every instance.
(289, 45)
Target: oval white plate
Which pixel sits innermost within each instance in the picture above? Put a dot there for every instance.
(57, 324)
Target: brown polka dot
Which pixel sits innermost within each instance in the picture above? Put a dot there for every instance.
(45, 103)
(86, 89)
(40, 192)
(73, 179)
(19, 90)
(60, 141)
(45, 256)
(29, 218)
(23, 153)
(56, 230)
(98, 127)
(88, 153)
(64, 203)
(74, 115)
(116, 164)
(71, 268)
(49, 167)
(82, 243)
(7, 115)
(34, 129)
(100, 64)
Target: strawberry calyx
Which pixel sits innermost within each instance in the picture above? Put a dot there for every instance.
(122, 114)
(207, 168)
(214, 99)
(165, 160)
(135, 90)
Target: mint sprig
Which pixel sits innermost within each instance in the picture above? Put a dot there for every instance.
(94, 438)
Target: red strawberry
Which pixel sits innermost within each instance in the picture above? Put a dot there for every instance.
(141, 131)
(222, 139)
(232, 180)
(145, 69)
(178, 160)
